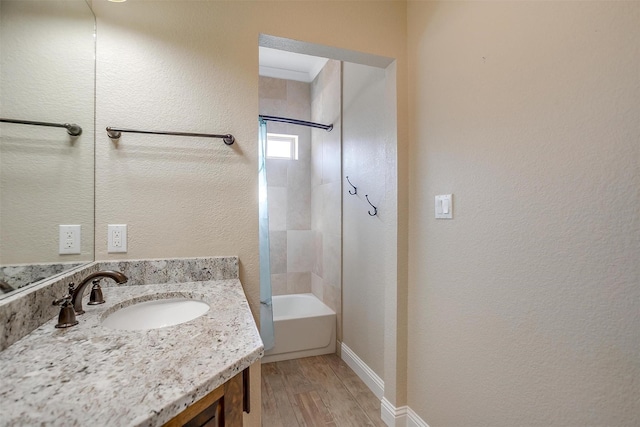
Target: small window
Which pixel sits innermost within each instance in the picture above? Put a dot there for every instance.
(281, 146)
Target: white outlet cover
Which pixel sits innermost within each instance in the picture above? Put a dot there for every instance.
(117, 238)
(69, 238)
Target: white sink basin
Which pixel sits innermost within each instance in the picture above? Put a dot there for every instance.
(156, 314)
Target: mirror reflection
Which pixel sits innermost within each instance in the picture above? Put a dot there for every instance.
(47, 74)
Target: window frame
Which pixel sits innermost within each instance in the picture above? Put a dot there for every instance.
(292, 141)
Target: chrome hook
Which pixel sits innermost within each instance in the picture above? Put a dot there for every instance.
(375, 210)
(355, 190)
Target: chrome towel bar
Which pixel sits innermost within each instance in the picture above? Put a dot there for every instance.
(72, 128)
(115, 133)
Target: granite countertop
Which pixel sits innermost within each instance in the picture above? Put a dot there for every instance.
(92, 375)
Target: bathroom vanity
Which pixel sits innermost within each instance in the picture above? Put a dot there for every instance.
(220, 408)
(192, 373)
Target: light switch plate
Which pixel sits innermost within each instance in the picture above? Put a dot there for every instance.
(444, 206)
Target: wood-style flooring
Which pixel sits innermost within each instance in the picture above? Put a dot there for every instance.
(316, 391)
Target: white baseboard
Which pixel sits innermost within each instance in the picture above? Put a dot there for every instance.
(366, 374)
(392, 416)
(414, 420)
(399, 417)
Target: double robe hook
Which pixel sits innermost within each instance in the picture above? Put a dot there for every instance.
(375, 210)
(355, 191)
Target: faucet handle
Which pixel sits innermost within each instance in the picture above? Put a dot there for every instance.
(65, 300)
(67, 316)
(62, 301)
(96, 294)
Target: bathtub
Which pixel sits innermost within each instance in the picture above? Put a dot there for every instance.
(303, 326)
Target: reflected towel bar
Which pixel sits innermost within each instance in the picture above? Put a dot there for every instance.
(115, 133)
(72, 128)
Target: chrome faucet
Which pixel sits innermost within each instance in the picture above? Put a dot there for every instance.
(76, 295)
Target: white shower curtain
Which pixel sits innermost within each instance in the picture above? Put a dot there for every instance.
(266, 309)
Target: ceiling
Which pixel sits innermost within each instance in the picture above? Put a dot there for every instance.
(281, 64)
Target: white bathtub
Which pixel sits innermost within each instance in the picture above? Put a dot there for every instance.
(303, 325)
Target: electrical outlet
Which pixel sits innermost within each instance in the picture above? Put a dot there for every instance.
(117, 238)
(69, 239)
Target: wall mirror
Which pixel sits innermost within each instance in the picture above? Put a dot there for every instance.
(47, 74)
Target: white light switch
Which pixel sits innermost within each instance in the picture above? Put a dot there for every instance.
(444, 206)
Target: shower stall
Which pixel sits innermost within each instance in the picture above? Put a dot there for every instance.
(303, 180)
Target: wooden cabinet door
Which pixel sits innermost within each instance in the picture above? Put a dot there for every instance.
(222, 407)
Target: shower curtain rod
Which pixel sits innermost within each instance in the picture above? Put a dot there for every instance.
(296, 122)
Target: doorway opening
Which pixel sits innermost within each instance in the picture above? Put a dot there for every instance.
(323, 239)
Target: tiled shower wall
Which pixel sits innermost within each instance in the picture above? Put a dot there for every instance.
(289, 188)
(304, 195)
(326, 212)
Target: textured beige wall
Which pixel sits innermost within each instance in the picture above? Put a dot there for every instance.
(193, 66)
(395, 289)
(369, 242)
(523, 309)
(178, 67)
(46, 176)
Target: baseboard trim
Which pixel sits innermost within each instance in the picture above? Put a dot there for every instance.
(366, 374)
(403, 416)
(414, 420)
(399, 417)
(392, 416)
